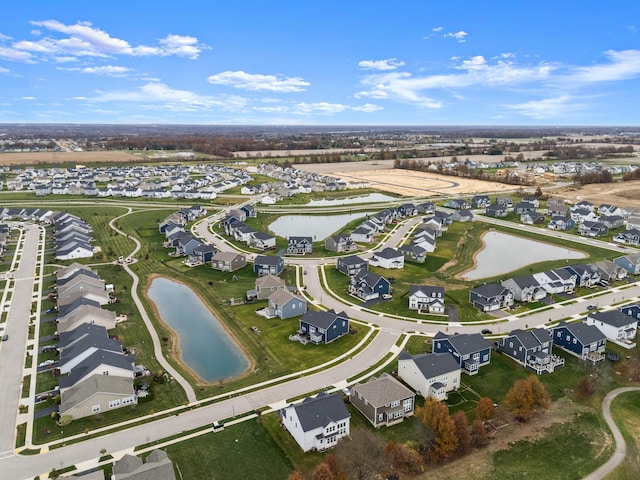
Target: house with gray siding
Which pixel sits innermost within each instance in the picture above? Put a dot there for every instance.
(383, 400)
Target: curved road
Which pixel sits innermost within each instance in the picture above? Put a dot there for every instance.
(621, 446)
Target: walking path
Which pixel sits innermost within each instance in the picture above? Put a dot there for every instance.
(621, 446)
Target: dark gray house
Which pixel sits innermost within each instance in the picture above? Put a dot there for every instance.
(531, 349)
(351, 265)
(324, 327)
(471, 351)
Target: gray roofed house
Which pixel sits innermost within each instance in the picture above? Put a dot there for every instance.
(619, 327)
(351, 264)
(525, 288)
(490, 297)
(100, 362)
(426, 299)
(532, 349)
(383, 400)
(422, 372)
(157, 466)
(97, 394)
(89, 314)
(317, 422)
(584, 341)
(284, 304)
(471, 351)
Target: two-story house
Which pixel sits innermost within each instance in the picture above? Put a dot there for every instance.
(432, 375)
(531, 349)
(471, 351)
(383, 400)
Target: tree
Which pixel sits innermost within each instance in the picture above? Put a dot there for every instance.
(526, 397)
(484, 409)
(295, 475)
(363, 456)
(322, 472)
(435, 415)
(462, 432)
(330, 460)
(585, 388)
(479, 433)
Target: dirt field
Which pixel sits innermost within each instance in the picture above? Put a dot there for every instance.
(381, 175)
(77, 158)
(621, 194)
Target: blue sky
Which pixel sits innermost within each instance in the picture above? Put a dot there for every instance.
(324, 62)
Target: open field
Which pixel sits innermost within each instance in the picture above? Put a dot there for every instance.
(43, 158)
(622, 194)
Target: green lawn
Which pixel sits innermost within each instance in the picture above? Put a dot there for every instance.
(626, 413)
(246, 450)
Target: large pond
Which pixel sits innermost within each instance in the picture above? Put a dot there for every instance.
(317, 226)
(205, 346)
(504, 253)
(369, 198)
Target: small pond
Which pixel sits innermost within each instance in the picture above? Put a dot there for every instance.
(503, 253)
(205, 346)
(369, 198)
(317, 226)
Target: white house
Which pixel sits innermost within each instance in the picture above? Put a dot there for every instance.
(426, 299)
(431, 375)
(387, 258)
(317, 422)
(619, 327)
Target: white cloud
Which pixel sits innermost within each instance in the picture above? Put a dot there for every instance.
(437, 29)
(84, 40)
(388, 64)
(459, 36)
(29, 99)
(4, 70)
(278, 109)
(258, 82)
(109, 70)
(4, 37)
(319, 107)
(367, 108)
(547, 108)
(622, 65)
(160, 96)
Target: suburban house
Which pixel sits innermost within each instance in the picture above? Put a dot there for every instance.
(628, 237)
(525, 288)
(561, 223)
(86, 314)
(368, 285)
(524, 207)
(284, 304)
(480, 201)
(387, 258)
(462, 216)
(458, 204)
(265, 286)
(414, 252)
(633, 310)
(491, 297)
(431, 375)
(228, 261)
(471, 351)
(531, 349)
(157, 466)
(268, 265)
(533, 219)
(340, 243)
(631, 263)
(496, 210)
(100, 362)
(363, 234)
(299, 245)
(558, 210)
(612, 221)
(261, 241)
(202, 254)
(609, 270)
(426, 299)
(383, 400)
(586, 275)
(556, 281)
(351, 265)
(618, 327)
(592, 229)
(317, 422)
(86, 341)
(609, 210)
(323, 327)
(426, 207)
(95, 394)
(584, 341)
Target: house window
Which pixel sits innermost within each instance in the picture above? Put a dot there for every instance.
(106, 372)
(407, 404)
(395, 403)
(575, 341)
(114, 403)
(95, 409)
(380, 417)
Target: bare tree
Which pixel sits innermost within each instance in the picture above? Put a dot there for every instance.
(363, 456)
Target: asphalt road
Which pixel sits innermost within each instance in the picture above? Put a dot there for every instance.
(13, 351)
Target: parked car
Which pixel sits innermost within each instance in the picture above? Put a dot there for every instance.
(486, 331)
(5, 337)
(592, 307)
(386, 296)
(46, 363)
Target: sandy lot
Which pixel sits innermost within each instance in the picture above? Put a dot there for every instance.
(621, 194)
(381, 175)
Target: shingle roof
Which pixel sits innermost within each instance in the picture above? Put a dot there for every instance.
(383, 390)
(320, 411)
(614, 318)
(432, 364)
(465, 343)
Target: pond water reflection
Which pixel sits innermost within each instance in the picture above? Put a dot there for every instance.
(503, 253)
(205, 346)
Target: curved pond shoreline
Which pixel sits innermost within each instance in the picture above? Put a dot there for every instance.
(175, 351)
(489, 254)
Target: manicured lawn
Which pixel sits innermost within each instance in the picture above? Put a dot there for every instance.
(243, 451)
